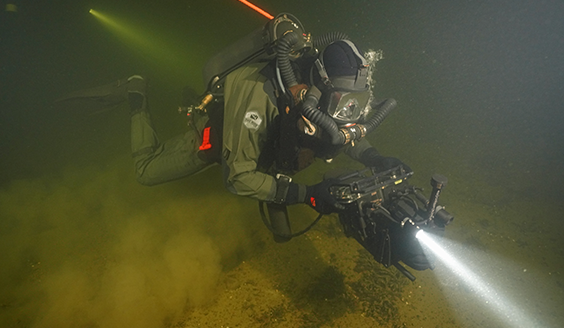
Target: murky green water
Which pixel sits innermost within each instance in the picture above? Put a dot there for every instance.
(480, 91)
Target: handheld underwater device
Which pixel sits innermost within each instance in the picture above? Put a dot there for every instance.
(383, 212)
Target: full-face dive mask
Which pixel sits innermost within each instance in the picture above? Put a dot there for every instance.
(346, 105)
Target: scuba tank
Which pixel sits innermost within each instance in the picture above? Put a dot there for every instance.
(282, 38)
(259, 45)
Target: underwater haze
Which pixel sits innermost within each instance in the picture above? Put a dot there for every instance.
(480, 92)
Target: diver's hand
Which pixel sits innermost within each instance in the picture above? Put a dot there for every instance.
(320, 199)
(372, 158)
(382, 163)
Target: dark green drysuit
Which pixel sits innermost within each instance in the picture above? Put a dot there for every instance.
(249, 113)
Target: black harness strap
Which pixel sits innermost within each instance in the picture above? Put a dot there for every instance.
(282, 147)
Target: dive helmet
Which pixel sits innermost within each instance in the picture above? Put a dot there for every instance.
(340, 98)
(343, 73)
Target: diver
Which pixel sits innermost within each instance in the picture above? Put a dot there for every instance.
(264, 119)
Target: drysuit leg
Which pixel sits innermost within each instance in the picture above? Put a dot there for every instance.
(157, 162)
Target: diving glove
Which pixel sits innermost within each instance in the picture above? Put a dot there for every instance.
(320, 199)
(317, 196)
(371, 158)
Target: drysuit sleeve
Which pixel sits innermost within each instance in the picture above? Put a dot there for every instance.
(249, 112)
(356, 151)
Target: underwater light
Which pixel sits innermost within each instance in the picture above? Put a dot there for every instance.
(110, 22)
(11, 7)
(494, 300)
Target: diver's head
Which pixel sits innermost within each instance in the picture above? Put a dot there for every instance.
(341, 73)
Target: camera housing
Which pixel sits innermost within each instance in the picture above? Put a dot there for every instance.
(383, 212)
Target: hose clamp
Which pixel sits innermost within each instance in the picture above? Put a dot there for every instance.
(362, 129)
(347, 135)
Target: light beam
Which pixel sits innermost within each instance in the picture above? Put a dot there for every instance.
(146, 43)
(495, 301)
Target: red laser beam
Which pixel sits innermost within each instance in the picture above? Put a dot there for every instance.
(257, 9)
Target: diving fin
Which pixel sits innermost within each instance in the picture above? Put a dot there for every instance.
(110, 94)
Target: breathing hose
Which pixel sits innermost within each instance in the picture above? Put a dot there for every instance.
(341, 136)
(316, 116)
(285, 45)
(325, 39)
(283, 49)
(385, 107)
